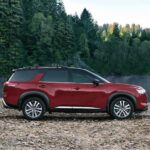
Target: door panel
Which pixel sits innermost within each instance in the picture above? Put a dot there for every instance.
(74, 94)
(56, 85)
(60, 94)
(72, 88)
(87, 95)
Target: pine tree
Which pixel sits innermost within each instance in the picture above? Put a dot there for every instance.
(84, 46)
(11, 55)
(42, 30)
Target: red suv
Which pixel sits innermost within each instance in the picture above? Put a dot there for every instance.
(36, 90)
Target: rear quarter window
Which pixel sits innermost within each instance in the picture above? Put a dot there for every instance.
(55, 76)
(23, 75)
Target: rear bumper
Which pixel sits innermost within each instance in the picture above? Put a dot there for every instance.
(5, 105)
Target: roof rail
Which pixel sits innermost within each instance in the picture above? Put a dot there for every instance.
(23, 68)
(37, 66)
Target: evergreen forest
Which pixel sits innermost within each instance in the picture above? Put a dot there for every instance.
(40, 32)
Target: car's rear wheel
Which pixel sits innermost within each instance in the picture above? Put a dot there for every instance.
(121, 108)
(33, 108)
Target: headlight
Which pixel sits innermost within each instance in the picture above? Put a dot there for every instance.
(140, 90)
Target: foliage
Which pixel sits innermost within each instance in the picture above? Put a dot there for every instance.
(40, 32)
(11, 50)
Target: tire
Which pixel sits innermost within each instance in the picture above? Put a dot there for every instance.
(33, 108)
(121, 108)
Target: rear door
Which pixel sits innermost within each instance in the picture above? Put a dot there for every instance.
(56, 84)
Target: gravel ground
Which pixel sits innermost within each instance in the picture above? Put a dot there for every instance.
(60, 131)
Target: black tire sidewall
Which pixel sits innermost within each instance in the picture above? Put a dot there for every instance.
(115, 101)
(32, 99)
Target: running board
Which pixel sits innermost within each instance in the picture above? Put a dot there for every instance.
(68, 109)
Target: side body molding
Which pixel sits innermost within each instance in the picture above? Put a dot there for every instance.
(39, 94)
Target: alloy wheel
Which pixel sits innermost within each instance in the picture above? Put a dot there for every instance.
(122, 109)
(33, 108)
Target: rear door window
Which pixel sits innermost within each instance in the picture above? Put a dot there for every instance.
(55, 76)
(23, 75)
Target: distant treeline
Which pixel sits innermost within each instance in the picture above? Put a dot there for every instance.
(40, 32)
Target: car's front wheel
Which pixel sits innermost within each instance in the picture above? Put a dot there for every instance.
(33, 108)
(121, 108)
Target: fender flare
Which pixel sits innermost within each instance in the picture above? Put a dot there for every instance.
(117, 94)
(34, 93)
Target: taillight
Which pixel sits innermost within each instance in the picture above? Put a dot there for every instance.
(7, 87)
(12, 84)
(4, 89)
(4, 86)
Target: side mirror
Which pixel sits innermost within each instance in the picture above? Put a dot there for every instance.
(96, 82)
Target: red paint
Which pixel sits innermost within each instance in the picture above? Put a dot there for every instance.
(72, 94)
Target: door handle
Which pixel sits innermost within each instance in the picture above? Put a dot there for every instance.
(42, 86)
(76, 88)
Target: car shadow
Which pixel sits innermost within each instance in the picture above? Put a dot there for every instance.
(77, 118)
(61, 118)
(10, 117)
(90, 118)
(74, 117)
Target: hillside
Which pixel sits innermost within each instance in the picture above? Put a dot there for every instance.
(40, 32)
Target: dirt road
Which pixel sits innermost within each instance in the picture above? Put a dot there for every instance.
(73, 131)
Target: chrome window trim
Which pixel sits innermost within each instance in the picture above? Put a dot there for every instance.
(66, 82)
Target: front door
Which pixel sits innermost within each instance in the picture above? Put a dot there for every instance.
(84, 93)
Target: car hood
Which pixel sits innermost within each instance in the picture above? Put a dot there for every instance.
(126, 85)
(123, 86)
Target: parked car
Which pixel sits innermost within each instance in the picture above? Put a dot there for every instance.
(36, 90)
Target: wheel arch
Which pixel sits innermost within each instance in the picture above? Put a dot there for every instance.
(121, 94)
(38, 94)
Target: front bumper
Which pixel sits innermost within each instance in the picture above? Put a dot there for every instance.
(142, 110)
